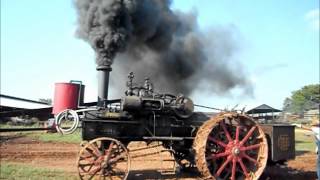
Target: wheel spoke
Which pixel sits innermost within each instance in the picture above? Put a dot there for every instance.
(97, 146)
(90, 167)
(217, 141)
(243, 167)
(244, 140)
(90, 159)
(94, 150)
(219, 155)
(91, 163)
(108, 153)
(226, 131)
(85, 164)
(85, 157)
(223, 166)
(227, 174)
(82, 167)
(234, 163)
(237, 133)
(116, 159)
(86, 170)
(90, 151)
(249, 158)
(246, 148)
(95, 172)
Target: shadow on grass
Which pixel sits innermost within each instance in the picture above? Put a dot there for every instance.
(5, 138)
(280, 172)
(302, 142)
(301, 152)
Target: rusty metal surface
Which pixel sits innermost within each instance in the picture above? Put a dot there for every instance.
(200, 148)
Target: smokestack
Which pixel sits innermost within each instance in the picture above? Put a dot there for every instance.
(104, 68)
(103, 84)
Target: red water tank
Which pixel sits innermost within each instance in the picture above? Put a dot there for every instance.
(66, 96)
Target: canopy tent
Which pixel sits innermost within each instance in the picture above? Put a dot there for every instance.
(263, 113)
(263, 109)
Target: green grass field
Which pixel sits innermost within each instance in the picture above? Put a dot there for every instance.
(18, 126)
(15, 171)
(305, 141)
(46, 137)
(56, 137)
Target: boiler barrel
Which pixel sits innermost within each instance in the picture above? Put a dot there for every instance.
(66, 96)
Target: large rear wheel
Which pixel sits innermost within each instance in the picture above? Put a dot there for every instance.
(230, 146)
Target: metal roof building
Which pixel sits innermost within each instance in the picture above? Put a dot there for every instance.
(14, 106)
(264, 113)
(263, 109)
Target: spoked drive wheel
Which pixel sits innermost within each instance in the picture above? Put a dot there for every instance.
(103, 158)
(230, 146)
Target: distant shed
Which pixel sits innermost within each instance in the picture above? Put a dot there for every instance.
(11, 106)
(264, 113)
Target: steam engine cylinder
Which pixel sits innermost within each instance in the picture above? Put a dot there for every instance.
(134, 103)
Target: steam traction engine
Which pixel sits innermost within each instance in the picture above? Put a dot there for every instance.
(225, 145)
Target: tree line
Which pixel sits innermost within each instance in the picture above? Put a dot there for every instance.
(306, 98)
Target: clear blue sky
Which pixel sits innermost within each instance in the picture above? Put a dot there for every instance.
(279, 43)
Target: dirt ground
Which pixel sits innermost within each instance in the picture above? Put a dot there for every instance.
(63, 156)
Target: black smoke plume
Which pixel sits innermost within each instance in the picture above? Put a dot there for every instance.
(150, 39)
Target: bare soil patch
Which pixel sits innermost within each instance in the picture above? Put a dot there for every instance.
(146, 164)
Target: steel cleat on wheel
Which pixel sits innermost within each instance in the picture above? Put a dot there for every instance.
(231, 146)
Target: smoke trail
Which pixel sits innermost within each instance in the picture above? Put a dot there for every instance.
(148, 38)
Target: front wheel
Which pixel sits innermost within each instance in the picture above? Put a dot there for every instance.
(103, 158)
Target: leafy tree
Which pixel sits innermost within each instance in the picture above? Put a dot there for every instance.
(287, 104)
(303, 99)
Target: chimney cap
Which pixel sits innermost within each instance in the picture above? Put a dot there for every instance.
(104, 68)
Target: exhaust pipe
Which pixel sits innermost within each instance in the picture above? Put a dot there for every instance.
(103, 84)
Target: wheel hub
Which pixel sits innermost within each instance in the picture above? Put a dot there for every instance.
(236, 151)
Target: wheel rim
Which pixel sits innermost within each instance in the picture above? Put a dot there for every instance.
(103, 158)
(233, 147)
